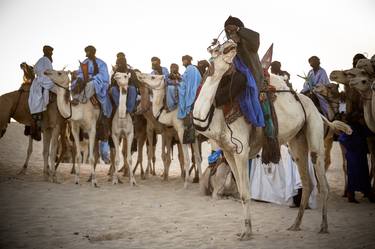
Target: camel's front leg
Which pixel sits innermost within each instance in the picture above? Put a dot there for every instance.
(29, 151)
(185, 149)
(166, 155)
(92, 135)
(116, 142)
(197, 157)
(242, 162)
(54, 144)
(129, 138)
(47, 133)
(77, 158)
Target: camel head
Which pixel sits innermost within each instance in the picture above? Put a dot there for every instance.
(339, 76)
(359, 79)
(222, 55)
(122, 80)
(60, 78)
(153, 81)
(330, 91)
(28, 72)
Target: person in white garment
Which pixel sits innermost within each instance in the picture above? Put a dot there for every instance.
(39, 91)
(279, 183)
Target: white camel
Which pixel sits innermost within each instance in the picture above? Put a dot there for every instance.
(241, 141)
(82, 116)
(157, 84)
(122, 126)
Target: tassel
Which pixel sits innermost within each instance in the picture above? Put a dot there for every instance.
(271, 151)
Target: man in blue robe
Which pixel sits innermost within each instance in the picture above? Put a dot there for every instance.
(173, 81)
(94, 81)
(187, 91)
(316, 75)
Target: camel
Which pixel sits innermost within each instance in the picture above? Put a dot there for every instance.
(157, 84)
(122, 125)
(358, 96)
(240, 141)
(218, 181)
(15, 105)
(82, 116)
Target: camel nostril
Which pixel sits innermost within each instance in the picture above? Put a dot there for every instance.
(363, 81)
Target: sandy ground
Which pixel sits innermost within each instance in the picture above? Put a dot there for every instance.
(38, 214)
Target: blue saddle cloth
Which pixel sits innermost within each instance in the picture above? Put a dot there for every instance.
(131, 98)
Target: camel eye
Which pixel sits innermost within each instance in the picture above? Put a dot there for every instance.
(152, 77)
(59, 73)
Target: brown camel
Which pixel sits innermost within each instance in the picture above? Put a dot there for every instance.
(15, 105)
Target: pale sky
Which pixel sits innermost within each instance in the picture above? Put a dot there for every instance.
(333, 30)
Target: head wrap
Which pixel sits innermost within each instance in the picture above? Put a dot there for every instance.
(47, 49)
(90, 48)
(187, 57)
(233, 21)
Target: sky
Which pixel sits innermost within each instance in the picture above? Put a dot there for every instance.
(333, 30)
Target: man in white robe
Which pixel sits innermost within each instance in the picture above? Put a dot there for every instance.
(39, 91)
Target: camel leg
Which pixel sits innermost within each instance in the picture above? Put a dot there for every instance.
(150, 150)
(299, 152)
(47, 133)
(328, 141)
(197, 159)
(74, 153)
(166, 156)
(29, 151)
(96, 156)
(140, 142)
(78, 156)
(129, 138)
(116, 142)
(92, 134)
(185, 149)
(181, 159)
(54, 144)
(239, 164)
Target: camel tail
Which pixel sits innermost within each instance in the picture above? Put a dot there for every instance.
(337, 125)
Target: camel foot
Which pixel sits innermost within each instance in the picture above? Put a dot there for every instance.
(165, 179)
(244, 236)
(114, 181)
(133, 183)
(196, 179)
(323, 230)
(89, 179)
(294, 228)
(22, 171)
(76, 180)
(94, 184)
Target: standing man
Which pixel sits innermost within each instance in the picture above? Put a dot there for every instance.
(39, 91)
(316, 75)
(93, 78)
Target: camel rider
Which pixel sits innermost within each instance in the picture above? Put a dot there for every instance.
(203, 66)
(316, 75)
(123, 67)
(173, 81)
(187, 90)
(276, 69)
(93, 79)
(39, 91)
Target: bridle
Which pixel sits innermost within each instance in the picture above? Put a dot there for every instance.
(70, 103)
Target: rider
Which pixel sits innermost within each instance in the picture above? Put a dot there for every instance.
(173, 81)
(186, 96)
(276, 69)
(316, 75)
(39, 91)
(93, 79)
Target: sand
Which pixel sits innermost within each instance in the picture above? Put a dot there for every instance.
(39, 214)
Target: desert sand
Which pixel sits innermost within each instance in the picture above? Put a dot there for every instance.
(156, 214)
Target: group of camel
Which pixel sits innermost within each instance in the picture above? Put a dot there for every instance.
(300, 125)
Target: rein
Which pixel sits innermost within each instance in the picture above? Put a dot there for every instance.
(70, 103)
